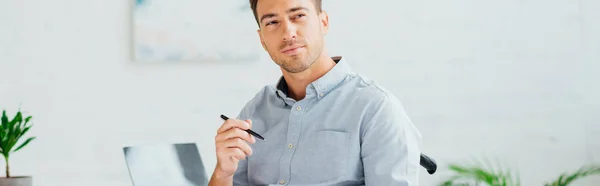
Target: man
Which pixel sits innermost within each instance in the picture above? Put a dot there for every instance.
(323, 124)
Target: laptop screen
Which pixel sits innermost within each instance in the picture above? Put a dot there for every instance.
(165, 164)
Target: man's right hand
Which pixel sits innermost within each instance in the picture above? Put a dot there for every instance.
(231, 146)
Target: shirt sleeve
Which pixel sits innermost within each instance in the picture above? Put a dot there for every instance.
(390, 147)
(240, 177)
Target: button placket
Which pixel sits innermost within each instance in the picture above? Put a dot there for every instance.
(292, 138)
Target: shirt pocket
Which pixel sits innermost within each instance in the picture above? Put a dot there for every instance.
(321, 156)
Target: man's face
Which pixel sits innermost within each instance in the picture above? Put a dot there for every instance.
(292, 32)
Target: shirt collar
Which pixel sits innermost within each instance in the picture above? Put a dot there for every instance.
(325, 84)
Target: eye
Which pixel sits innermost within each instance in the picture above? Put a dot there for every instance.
(271, 22)
(299, 16)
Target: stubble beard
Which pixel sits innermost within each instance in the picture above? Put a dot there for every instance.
(299, 63)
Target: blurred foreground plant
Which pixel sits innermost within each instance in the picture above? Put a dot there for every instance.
(565, 178)
(481, 173)
(486, 174)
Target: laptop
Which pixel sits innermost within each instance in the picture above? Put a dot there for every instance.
(165, 164)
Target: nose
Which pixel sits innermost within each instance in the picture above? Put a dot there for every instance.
(289, 32)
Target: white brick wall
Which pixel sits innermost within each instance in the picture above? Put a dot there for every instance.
(516, 80)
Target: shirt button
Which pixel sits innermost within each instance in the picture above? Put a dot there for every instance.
(321, 94)
(281, 182)
(298, 108)
(290, 145)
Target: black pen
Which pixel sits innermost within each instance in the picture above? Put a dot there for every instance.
(249, 131)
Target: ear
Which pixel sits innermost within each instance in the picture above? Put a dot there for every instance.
(324, 22)
(262, 42)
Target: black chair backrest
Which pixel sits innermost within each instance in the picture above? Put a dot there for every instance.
(428, 163)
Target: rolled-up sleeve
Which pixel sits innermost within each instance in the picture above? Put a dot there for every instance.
(390, 146)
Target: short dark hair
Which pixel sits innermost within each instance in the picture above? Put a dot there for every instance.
(253, 4)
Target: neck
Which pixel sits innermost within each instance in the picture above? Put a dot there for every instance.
(297, 82)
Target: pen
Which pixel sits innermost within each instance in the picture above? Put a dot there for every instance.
(249, 131)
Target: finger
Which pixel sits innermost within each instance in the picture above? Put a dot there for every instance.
(236, 154)
(235, 133)
(249, 123)
(224, 146)
(253, 140)
(228, 152)
(231, 123)
(237, 143)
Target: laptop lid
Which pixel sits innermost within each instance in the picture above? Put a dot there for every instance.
(165, 164)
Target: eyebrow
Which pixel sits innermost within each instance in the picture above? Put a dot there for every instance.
(269, 15)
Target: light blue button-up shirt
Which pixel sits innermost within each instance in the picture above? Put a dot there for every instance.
(348, 130)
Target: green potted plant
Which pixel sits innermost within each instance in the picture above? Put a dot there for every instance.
(12, 132)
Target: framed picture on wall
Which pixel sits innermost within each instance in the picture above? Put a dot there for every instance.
(194, 30)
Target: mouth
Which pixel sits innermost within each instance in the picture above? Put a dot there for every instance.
(293, 50)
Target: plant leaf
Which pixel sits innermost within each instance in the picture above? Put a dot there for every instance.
(4, 118)
(24, 131)
(10, 141)
(27, 119)
(565, 179)
(24, 143)
(482, 172)
(3, 135)
(15, 120)
(24, 127)
(11, 132)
